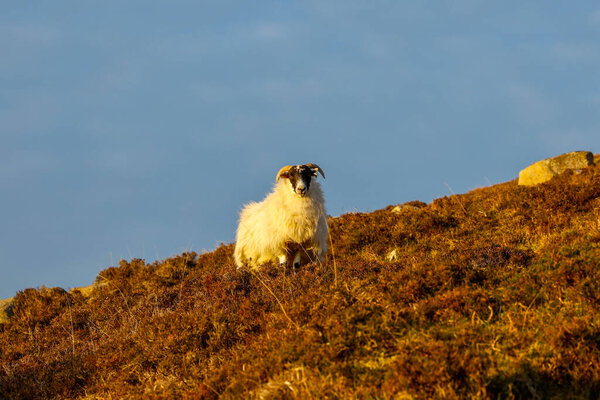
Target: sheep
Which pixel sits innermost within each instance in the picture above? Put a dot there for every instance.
(289, 224)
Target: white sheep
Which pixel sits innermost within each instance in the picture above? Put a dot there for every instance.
(289, 224)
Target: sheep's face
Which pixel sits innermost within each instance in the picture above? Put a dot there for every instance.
(299, 177)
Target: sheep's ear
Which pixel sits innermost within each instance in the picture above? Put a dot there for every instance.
(283, 173)
(315, 168)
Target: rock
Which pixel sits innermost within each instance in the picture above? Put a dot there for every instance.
(411, 205)
(545, 170)
(393, 255)
(6, 309)
(86, 291)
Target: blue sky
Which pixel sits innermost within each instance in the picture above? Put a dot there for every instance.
(139, 129)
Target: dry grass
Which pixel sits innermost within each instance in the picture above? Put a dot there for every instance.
(490, 294)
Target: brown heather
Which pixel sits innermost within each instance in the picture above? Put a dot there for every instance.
(491, 294)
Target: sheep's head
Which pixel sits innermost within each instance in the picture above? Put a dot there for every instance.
(299, 177)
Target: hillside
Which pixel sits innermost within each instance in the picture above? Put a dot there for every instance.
(491, 294)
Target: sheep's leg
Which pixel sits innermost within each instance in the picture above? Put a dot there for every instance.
(296, 263)
(282, 260)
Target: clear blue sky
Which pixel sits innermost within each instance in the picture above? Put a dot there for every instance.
(139, 129)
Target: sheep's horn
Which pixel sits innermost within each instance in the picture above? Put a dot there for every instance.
(316, 167)
(281, 171)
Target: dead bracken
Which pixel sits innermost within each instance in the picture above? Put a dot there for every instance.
(491, 294)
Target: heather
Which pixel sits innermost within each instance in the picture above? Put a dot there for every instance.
(490, 294)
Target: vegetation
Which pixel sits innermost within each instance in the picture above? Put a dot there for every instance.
(490, 294)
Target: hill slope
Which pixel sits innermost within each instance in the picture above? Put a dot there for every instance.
(490, 294)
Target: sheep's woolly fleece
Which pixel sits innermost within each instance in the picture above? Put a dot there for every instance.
(268, 228)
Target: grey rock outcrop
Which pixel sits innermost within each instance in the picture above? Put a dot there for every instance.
(545, 170)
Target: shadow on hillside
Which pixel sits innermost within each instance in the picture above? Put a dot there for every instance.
(531, 384)
(45, 380)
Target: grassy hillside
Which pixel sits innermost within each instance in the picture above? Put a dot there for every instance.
(490, 294)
